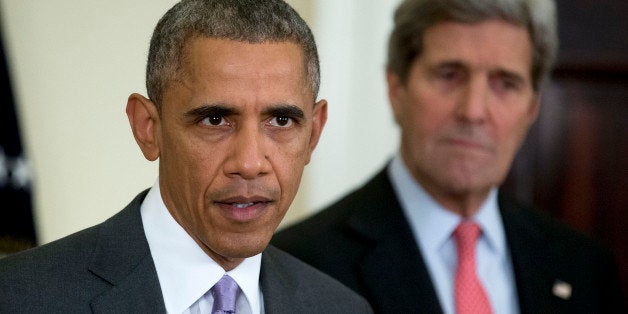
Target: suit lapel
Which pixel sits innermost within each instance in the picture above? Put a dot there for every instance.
(392, 265)
(139, 292)
(277, 286)
(122, 258)
(393, 261)
(531, 260)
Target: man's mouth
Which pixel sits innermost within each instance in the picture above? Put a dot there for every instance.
(245, 205)
(243, 201)
(243, 209)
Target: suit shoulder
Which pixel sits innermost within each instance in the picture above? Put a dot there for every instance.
(566, 253)
(551, 229)
(314, 286)
(37, 279)
(571, 248)
(60, 253)
(374, 195)
(325, 223)
(303, 271)
(72, 249)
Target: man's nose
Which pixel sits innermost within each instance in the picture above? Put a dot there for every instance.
(473, 104)
(249, 155)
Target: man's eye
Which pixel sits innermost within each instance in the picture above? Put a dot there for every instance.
(510, 84)
(214, 121)
(281, 121)
(506, 84)
(447, 75)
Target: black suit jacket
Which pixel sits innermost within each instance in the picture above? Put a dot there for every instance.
(109, 269)
(364, 241)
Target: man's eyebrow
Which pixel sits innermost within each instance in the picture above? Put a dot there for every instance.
(455, 64)
(285, 110)
(449, 64)
(207, 110)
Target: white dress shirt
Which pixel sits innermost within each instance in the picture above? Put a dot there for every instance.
(433, 225)
(186, 273)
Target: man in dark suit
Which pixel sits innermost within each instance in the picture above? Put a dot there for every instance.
(430, 233)
(232, 117)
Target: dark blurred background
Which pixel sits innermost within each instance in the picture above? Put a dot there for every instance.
(574, 163)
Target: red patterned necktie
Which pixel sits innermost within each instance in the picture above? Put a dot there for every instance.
(469, 294)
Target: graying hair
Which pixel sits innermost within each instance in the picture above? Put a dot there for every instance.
(253, 21)
(413, 17)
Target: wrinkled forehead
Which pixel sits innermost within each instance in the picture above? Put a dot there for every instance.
(208, 56)
(489, 43)
(235, 72)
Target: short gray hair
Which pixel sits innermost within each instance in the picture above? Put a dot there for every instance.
(413, 17)
(253, 21)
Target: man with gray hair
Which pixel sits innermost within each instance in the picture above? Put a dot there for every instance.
(431, 233)
(232, 116)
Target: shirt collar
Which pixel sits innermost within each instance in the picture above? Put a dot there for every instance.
(434, 224)
(184, 270)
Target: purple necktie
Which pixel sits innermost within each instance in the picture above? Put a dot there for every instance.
(225, 292)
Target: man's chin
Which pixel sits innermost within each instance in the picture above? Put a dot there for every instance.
(244, 246)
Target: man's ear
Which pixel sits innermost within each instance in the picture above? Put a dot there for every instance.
(145, 124)
(395, 88)
(319, 118)
(535, 107)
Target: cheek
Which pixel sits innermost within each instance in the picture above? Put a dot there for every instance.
(287, 174)
(512, 132)
(290, 146)
(288, 160)
(423, 120)
(192, 164)
(181, 157)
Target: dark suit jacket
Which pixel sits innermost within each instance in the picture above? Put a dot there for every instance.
(364, 241)
(109, 269)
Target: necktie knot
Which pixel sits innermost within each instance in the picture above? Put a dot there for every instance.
(466, 235)
(225, 292)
